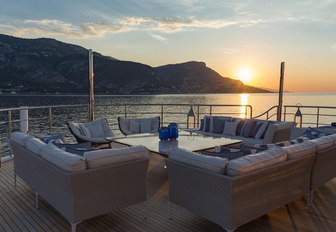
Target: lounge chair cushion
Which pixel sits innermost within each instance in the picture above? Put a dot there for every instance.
(62, 159)
(256, 161)
(105, 157)
(300, 150)
(323, 143)
(134, 127)
(20, 138)
(35, 145)
(145, 126)
(210, 163)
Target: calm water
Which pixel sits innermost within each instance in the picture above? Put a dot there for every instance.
(259, 102)
(40, 123)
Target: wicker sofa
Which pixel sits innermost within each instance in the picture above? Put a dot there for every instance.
(250, 131)
(232, 193)
(81, 187)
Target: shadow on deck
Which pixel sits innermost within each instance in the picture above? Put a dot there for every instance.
(17, 211)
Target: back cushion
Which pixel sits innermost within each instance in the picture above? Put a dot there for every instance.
(134, 126)
(96, 130)
(105, 157)
(256, 161)
(155, 124)
(240, 126)
(20, 138)
(35, 145)
(62, 159)
(214, 164)
(323, 143)
(248, 128)
(300, 150)
(207, 122)
(145, 126)
(218, 124)
(269, 134)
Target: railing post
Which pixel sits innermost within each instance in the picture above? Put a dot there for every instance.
(161, 116)
(198, 114)
(50, 119)
(285, 112)
(210, 110)
(318, 116)
(245, 111)
(24, 123)
(125, 111)
(9, 122)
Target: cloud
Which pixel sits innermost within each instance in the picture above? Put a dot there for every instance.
(333, 47)
(47, 27)
(158, 37)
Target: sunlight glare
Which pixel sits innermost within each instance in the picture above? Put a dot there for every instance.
(244, 74)
(243, 101)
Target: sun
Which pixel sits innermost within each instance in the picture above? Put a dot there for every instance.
(244, 74)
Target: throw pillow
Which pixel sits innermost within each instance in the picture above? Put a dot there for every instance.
(240, 126)
(260, 130)
(145, 126)
(230, 128)
(134, 127)
(248, 128)
(218, 124)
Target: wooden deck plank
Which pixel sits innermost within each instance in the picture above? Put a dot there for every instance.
(17, 211)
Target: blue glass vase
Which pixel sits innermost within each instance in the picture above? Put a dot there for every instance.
(173, 130)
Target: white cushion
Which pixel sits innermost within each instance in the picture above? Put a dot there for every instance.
(210, 163)
(261, 130)
(35, 145)
(20, 138)
(62, 159)
(84, 130)
(96, 130)
(323, 143)
(256, 161)
(230, 128)
(105, 157)
(300, 150)
(145, 126)
(134, 127)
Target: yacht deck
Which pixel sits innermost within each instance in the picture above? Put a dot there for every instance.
(17, 211)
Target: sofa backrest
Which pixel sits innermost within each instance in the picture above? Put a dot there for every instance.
(105, 157)
(210, 163)
(20, 138)
(130, 126)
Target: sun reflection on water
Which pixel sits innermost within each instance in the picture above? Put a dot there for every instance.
(243, 101)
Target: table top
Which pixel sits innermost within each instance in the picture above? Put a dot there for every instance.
(186, 140)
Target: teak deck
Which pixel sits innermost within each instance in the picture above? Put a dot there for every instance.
(17, 211)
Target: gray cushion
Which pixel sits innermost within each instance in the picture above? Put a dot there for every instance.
(96, 130)
(248, 128)
(207, 122)
(62, 159)
(300, 150)
(105, 157)
(269, 134)
(145, 126)
(35, 145)
(20, 138)
(214, 164)
(230, 128)
(256, 161)
(323, 143)
(240, 126)
(134, 126)
(260, 130)
(218, 124)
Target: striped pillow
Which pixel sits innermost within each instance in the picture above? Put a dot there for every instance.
(248, 128)
(260, 130)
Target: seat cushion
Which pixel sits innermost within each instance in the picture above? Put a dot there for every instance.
(256, 161)
(214, 164)
(105, 157)
(62, 159)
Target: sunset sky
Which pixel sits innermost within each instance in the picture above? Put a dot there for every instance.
(239, 39)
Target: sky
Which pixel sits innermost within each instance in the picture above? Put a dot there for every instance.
(244, 39)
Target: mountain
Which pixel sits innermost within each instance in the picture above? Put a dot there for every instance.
(50, 66)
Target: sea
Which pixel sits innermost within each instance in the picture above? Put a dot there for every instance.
(260, 103)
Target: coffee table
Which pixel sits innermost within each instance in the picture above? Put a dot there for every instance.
(186, 140)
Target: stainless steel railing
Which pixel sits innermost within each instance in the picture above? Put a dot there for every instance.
(51, 119)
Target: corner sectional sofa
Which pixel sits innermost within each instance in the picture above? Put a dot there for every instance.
(81, 187)
(250, 131)
(234, 192)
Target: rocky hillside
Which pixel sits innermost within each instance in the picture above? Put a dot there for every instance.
(50, 66)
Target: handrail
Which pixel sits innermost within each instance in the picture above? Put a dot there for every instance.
(267, 113)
